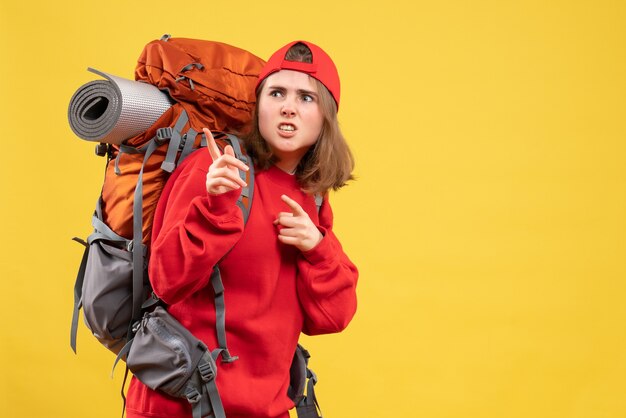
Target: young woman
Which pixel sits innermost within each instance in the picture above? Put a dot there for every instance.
(285, 272)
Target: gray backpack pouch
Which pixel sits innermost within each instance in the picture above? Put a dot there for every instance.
(104, 286)
(165, 356)
(107, 293)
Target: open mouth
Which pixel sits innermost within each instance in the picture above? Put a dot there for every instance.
(286, 127)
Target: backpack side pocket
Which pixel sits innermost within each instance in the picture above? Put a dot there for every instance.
(107, 293)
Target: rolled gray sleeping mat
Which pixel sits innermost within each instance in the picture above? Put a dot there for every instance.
(115, 109)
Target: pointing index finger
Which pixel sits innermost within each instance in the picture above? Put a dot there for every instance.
(293, 205)
(211, 145)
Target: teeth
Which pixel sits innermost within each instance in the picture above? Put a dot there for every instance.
(286, 128)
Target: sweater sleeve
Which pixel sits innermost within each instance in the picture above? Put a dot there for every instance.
(326, 282)
(197, 230)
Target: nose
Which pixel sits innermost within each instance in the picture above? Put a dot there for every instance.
(287, 110)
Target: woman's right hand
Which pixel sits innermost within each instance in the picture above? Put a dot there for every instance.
(223, 175)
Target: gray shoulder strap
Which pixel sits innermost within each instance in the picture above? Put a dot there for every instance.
(220, 315)
(138, 249)
(319, 199)
(248, 191)
(190, 139)
(169, 164)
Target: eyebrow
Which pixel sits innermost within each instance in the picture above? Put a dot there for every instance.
(310, 93)
(299, 91)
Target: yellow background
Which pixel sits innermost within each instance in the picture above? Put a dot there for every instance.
(488, 221)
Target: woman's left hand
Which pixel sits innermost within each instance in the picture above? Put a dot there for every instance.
(296, 227)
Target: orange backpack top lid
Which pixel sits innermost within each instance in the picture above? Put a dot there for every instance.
(213, 83)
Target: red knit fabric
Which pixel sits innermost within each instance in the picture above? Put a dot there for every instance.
(272, 291)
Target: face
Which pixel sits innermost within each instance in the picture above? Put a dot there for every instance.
(290, 118)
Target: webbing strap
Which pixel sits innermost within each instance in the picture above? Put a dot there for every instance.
(138, 249)
(216, 278)
(234, 142)
(319, 199)
(208, 372)
(205, 399)
(124, 149)
(102, 230)
(190, 139)
(220, 315)
(196, 409)
(210, 389)
(247, 191)
(78, 296)
(169, 164)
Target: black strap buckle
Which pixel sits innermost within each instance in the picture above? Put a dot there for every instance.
(102, 149)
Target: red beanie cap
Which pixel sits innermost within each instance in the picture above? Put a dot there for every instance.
(322, 68)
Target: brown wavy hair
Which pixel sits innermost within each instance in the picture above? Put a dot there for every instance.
(329, 163)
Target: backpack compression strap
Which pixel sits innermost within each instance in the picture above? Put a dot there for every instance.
(245, 203)
(203, 395)
(245, 198)
(307, 406)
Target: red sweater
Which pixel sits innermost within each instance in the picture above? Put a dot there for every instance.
(273, 292)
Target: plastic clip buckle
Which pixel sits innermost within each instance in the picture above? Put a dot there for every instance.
(192, 395)
(206, 372)
(102, 149)
(164, 133)
(183, 139)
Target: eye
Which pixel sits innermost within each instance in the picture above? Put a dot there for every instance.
(276, 93)
(307, 98)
